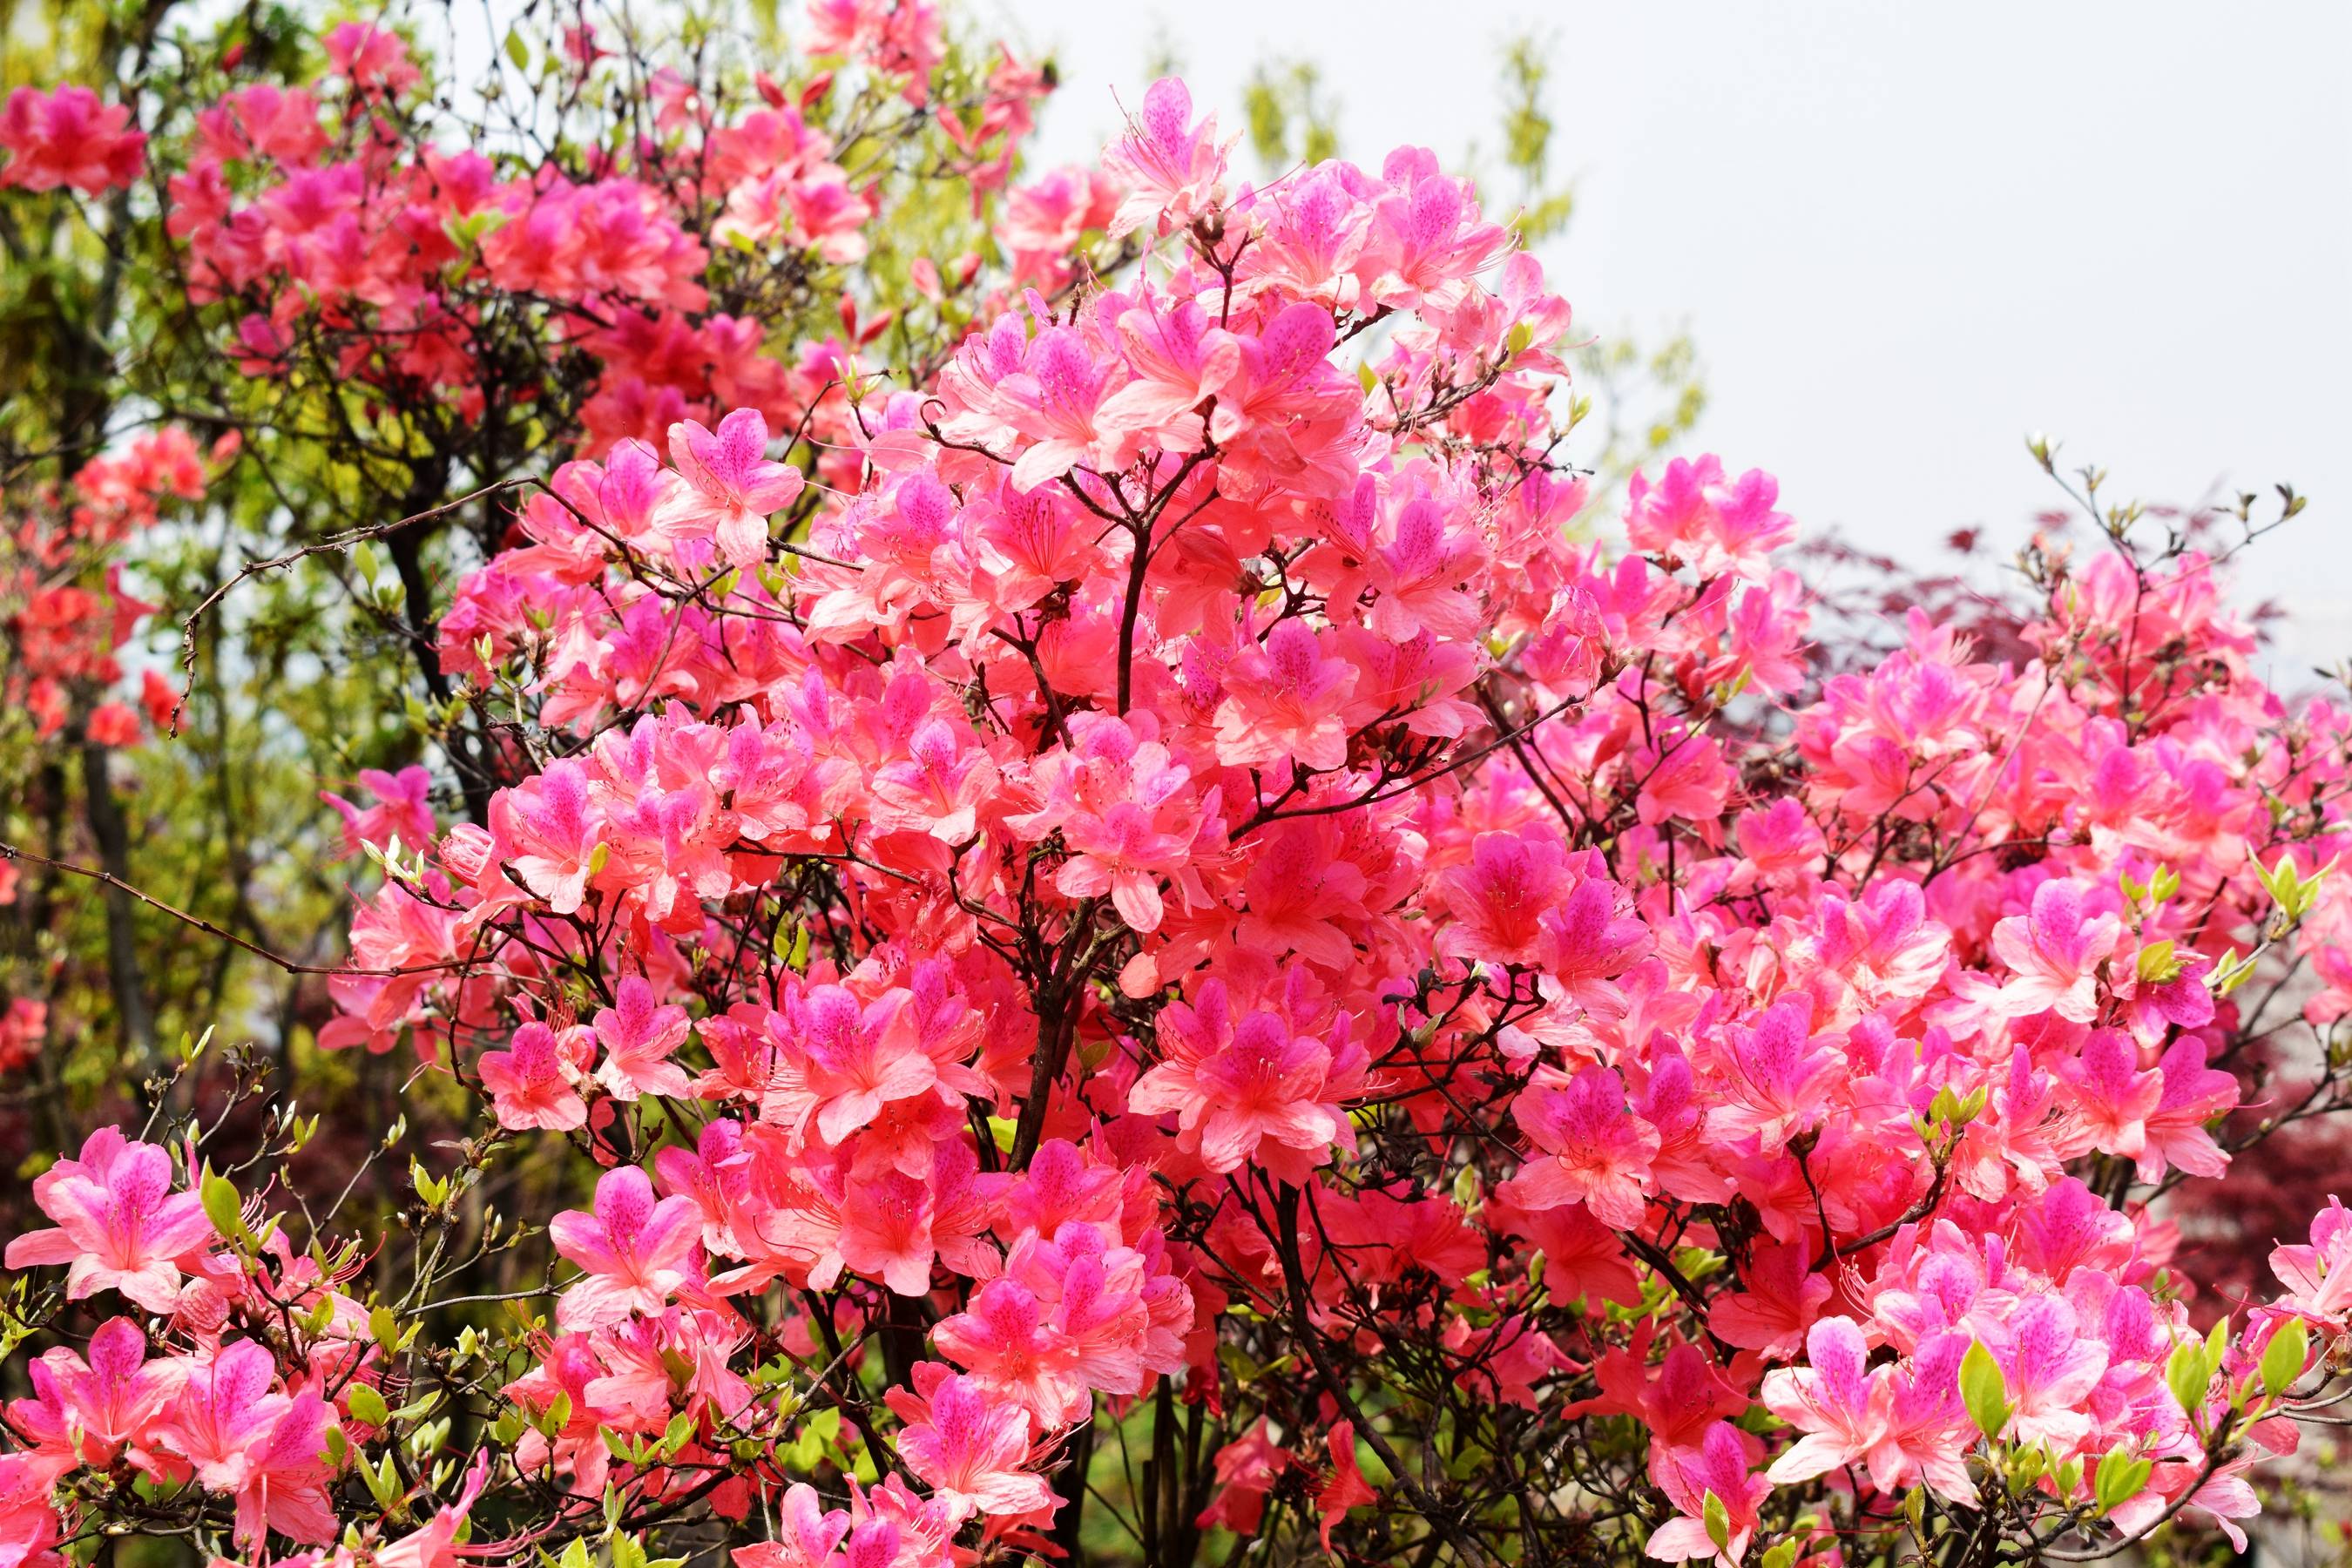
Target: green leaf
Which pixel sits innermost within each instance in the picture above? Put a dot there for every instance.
(2119, 1479)
(1718, 1521)
(223, 1207)
(517, 50)
(2283, 1357)
(383, 1482)
(368, 1406)
(2026, 1467)
(1984, 1391)
(2231, 973)
(2187, 1373)
(428, 1439)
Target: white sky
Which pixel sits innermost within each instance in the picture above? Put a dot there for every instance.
(1903, 235)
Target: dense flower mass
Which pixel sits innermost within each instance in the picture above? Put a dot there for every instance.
(66, 137)
(1170, 880)
(335, 227)
(66, 610)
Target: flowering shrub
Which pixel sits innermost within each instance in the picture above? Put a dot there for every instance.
(376, 300)
(336, 234)
(1130, 938)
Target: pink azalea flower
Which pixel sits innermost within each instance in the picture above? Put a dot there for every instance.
(371, 57)
(85, 1411)
(847, 1059)
(435, 1545)
(66, 137)
(2053, 954)
(726, 488)
(808, 1535)
(1004, 1340)
(535, 1082)
(1781, 1298)
(1170, 165)
(1899, 1424)
(1235, 1087)
(633, 1251)
(2049, 1366)
(2318, 1276)
(2194, 1095)
(2113, 1096)
(1715, 523)
(120, 1226)
(1716, 1469)
(404, 810)
(639, 1039)
(972, 1453)
(265, 1449)
(1598, 1152)
(1778, 1078)
(546, 828)
(1346, 1488)
(1500, 897)
(1283, 703)
(1831, 1400)
(1246, 1469)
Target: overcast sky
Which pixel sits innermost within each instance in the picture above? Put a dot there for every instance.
(1903, 236)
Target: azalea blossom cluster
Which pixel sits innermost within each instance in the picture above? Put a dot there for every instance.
(338, 232)
(1169, 914)
(68, 139)
(64, 610)
(66, 614)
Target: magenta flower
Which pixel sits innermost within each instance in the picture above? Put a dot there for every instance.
(1598, 1152)
(120, 1224)
(633, 1251)
(972, 1452)
(2053, 954)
